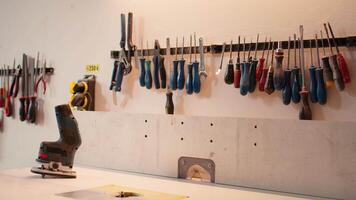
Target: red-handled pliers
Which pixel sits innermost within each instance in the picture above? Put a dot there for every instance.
(42, 79)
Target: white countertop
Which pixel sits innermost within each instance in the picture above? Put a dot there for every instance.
(22, 184)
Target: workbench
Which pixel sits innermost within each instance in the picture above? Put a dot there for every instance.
(22, 184)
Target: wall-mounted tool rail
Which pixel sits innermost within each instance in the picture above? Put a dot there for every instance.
(11, 72)
(216, 49)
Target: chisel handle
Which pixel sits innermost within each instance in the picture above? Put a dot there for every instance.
(181, 75)
(313, 85)
(119, 76)
(148, 75)
(156, 66)
(31, 117)
(327, 72)
(321, 89)
(259, 69)
(343, 68)
(22, 111)
(189, 82)
(237, 76)
(113, 76)
(287, 90)
(305, 112)
(339, 83)
(252, 84)
(169, 103)
(245, 78)
(162, 73)
(261, 84)
(295, 85)
(278, 76)
(196, 78)
(8, 106)
(174, 75)
(142, 72)
(229, 74)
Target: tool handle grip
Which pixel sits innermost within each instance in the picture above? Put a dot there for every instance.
(142, 72)
(17, 84)
(2, 97)
(305, 111)
(169, 103)
(162, 73)
(339, 83)
(156, 66)
(8, 106)
(32, 110)
(189, 82)
(287, 90)
(261, 84)
(196, 78)
(252, 84)
(343, 68)
(313, 85)
(244, 82)
(278, 76)
(181, 75)
(22, 111)
(174, 75)
(12, 87)
(327, 72)
(321, 89)
(229, 74)
(269, 86)
(123, 31)
(148, 75)
(119, 76)
(113, 75)
(259, 69)
(295, 85)
(237, 76)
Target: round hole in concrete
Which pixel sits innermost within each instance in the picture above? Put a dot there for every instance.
(255, 144)
(211, 124)
(211, 141)
(255, 126)
(182, 122)
(181, 138)
(146, 136)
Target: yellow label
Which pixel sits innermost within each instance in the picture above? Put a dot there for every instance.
(92, 68)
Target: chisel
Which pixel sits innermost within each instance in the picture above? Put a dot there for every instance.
(169, 95)
(237, 74)
(312, 77)
(196, 77)
(22, 111)
(148, 75)
(341, 60)
(287, 90)
(278, 75)
(142, 69)
(339, 83)
(245, 70)
(321, 90)
(189, 82)
(181, 74)
(174, 74)
(329, 80)
(229, 73)
(305, 111)
(252, 73)
(295, 76)
(269, 86)
(262, 82)
(261, 62)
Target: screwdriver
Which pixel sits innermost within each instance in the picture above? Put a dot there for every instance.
(174, 74)
(305, 111)
(252, 73)
(181, 75)
(312, 77)
(261, 84)
(245, 70)
(269, 86)
(156, 66)
(148, 75)
(326, 65)
(261, 62)
(229, 73)
(2, 90)
(8, 104)
(321, 90)
(162, 71)
(15, 81)
(339, 83)
(341, 60)
(295, 76)
(169, 95)
(189, 82)
(142, 69)
(287, 90)
(237, 74)
(278, 76)
(196, 77)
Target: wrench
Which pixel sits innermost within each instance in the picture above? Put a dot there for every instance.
(202, 72)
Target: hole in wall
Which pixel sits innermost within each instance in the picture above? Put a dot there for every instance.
(181, 139)
(145, 120)
(255, 144)
(255, 126)
(211, 141)
(211, 124)
(146, 136)
(182, 122)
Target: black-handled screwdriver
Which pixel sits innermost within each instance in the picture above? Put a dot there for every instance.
(229, 73)
(169, 95)
(142, 69)
(189, 82)
(181, 73)
(148, 75)
(174, 73)
(295, 76)
(196, 76)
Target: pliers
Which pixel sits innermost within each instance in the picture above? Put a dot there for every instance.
(41, 79)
